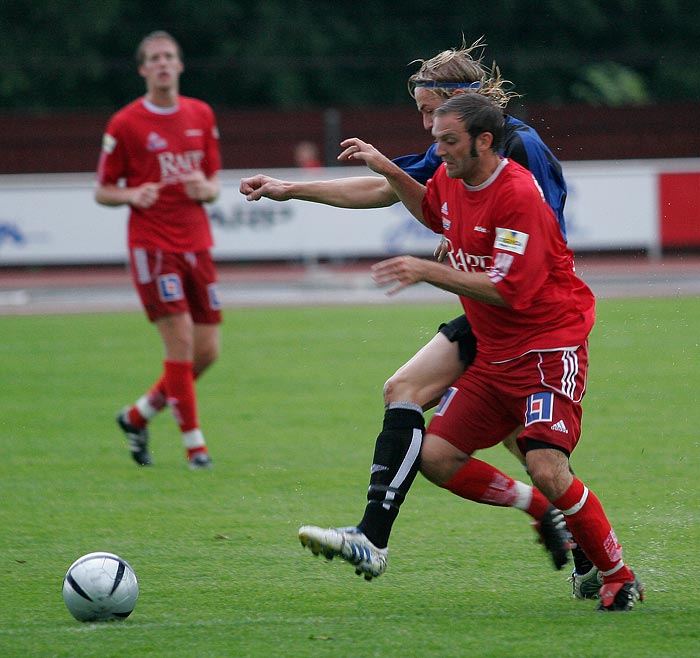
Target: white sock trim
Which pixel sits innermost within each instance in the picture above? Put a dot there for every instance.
(523, 496)
(577, 506)
(146, 409)
(193, 439)
(615, 569)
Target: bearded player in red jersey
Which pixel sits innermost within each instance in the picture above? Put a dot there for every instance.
(531, 316)
(160, 155)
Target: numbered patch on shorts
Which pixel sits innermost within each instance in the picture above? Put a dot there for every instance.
(540, 407)
(169, 288)
(446, 401)
(214, 301)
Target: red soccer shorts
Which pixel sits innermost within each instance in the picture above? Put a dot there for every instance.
(541, 391)
(169, 282)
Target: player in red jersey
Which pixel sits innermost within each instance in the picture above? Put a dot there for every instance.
(160, 155)
(531, 315)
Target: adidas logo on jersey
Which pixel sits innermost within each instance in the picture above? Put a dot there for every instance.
(444, 209)
(559, 426)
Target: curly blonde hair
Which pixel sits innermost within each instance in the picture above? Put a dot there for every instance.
(462, 69)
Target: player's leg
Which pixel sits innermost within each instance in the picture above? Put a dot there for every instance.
(397, 447)
(201, 294)
(589, 526)
(472, 416)
(585, 577)
(424, 378)
(413, 387)
(153, 291)
(552, 430)
(450, 468)
(177, 334)
(151, 403)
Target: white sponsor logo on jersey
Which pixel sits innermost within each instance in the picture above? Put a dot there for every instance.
(173, 165)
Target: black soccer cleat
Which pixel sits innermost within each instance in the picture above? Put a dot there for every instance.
(554, 536)
(136, 438)
(620, 597)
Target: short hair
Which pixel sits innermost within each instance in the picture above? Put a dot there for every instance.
(479, 114)
(462, 69)
(158, 34)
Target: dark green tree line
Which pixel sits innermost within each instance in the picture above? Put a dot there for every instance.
(59, 54)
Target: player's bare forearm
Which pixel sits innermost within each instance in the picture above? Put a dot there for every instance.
(404, 271)
(201, 188)
(355, 192)
(142, 196)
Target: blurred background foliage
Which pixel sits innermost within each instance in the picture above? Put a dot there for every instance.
(291, 54)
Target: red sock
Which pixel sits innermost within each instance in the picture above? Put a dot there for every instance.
(483, 483)
(179, 383)
(135, 418)
(592, 531)
(156, 398)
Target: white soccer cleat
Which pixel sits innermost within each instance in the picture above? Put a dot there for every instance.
(587, 585)
(350, 544)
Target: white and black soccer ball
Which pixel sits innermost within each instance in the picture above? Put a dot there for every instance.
(100, 587)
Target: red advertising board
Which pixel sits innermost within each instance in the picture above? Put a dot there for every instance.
(679, 209)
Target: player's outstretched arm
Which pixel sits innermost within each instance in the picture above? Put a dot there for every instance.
(354, 192)
(409, 191)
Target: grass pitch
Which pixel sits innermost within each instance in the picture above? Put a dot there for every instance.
(290, 412)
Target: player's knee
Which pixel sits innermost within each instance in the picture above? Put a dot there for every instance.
(440, 460)
(397, 389)
(205, 357)
(548, 475)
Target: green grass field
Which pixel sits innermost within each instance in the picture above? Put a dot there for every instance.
(291, 412)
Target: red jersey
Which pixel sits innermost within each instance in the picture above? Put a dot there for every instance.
(144, 143)
(505, 228)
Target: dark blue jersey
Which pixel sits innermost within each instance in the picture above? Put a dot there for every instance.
(523, 145)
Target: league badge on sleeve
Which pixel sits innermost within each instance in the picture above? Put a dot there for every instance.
(509, 240)
(108, 143)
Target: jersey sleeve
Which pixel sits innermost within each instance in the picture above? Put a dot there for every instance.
(112, 162)
(431, 207)
(519, 266)
(212, 162)
(420, 167)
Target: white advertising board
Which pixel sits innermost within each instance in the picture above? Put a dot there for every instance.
(53, 219)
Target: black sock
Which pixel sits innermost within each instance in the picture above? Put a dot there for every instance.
(396, 460)
(581, 562)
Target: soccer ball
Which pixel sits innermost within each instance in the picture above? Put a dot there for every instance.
(100, 587)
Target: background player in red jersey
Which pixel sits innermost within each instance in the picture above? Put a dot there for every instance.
(160, 155)
(530, 313)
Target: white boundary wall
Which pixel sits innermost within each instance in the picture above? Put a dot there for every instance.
(53, 219)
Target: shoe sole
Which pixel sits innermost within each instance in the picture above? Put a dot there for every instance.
(141, 455)
(329, 552)
(316, 547)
